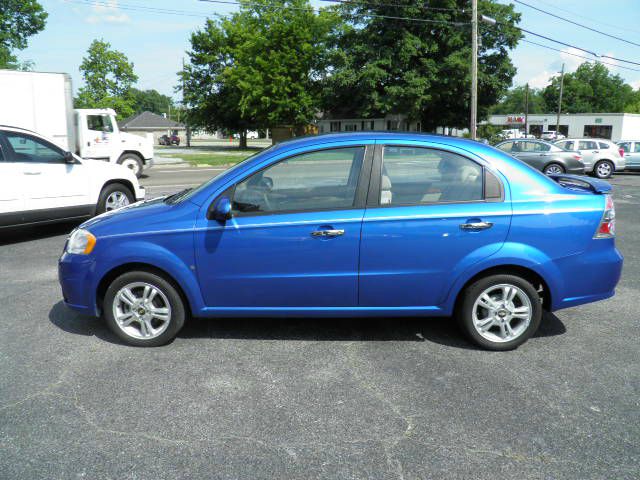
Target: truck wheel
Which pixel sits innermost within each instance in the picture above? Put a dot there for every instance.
(113, 196)
(132, 162)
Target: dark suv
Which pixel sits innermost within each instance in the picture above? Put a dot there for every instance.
(169, 140)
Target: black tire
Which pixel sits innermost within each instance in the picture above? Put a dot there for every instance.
(553, 166)
(603, 172)
(464, 312)
(177, 312)
(132, 161)
(108, 191)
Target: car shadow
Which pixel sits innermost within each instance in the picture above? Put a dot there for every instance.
(9, 236)
(438, 330)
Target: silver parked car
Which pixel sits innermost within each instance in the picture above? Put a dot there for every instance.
(631, 149)
(544, 156)
(600, 157)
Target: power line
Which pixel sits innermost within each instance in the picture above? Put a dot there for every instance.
(310, 8)
(576, 23)
(138, 8)
(579, 56)
(424, 7)
(600, 22)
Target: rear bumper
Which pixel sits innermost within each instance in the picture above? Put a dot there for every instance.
(590, 276)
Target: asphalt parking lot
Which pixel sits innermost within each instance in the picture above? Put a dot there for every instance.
(309, 398)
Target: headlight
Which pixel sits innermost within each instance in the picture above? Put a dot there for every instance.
(81, 242)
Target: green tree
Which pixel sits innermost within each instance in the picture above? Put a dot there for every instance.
(591, 89)
(19, 20)
(151, 101)
(258, 67)
(108, 79)
(513, 101)
(385, 65)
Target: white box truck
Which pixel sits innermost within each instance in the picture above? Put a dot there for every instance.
(43, 102)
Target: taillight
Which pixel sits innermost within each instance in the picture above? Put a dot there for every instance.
(577, 157)
(607, 227)
(621, 152)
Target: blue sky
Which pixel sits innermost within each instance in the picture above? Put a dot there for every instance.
(156, 42)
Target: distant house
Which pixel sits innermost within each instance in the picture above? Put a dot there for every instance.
(149, 122)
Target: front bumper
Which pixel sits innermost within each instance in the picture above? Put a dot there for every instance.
(75, 276)
(140, 193)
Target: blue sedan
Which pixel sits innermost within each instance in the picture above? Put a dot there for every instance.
(343, 225)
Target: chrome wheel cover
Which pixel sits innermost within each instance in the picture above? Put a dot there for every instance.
(116, 200)
(553, 170)
(502, 313)
(141, 310)
(132, 165)
(604, 169)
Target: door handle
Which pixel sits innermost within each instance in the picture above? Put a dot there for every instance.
(327, 233)
(32, 173)
(476, 226)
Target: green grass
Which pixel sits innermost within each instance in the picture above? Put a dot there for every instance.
(212, 158)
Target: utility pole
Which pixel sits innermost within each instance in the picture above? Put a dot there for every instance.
(188, 133)
(560, 101)
(526, 109)
(474, 68)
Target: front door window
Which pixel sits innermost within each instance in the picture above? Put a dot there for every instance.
(322, 180)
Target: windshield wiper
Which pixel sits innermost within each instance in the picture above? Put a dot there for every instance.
(177, 196)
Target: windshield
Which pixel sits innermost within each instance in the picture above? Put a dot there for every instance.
(185, 195)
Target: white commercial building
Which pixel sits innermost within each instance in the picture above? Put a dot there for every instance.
(613, 126)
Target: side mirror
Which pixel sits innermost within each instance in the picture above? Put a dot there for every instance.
(68, 158)
(221, 210)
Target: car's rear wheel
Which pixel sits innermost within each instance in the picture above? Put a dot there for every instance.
(132, 162)
(500, 312)
(143, 309)
(113, 196)
(553, 169)
(603, 169)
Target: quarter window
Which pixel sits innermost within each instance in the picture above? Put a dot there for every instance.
(33, 150)
(603, 146)
(321, 180)
(421, 176)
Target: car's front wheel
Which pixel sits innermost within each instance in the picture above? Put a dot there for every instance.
(143, 309)
(500, 312)
(603, 169)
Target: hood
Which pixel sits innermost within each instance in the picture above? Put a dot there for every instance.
(114, 170)
(148, 216)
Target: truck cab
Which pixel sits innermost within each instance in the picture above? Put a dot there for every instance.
(99, 138)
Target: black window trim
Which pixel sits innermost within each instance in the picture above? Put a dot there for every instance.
(373, 196)
(360, 196)
(11, 157)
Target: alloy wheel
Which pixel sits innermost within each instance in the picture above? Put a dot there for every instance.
(141, 310)
(502, 313)
(553, 170)
(604, 169)
(116, 200)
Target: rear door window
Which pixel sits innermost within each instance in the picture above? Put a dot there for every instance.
(603, 146)
(587, 145)
(416, 175)
(637, 148)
